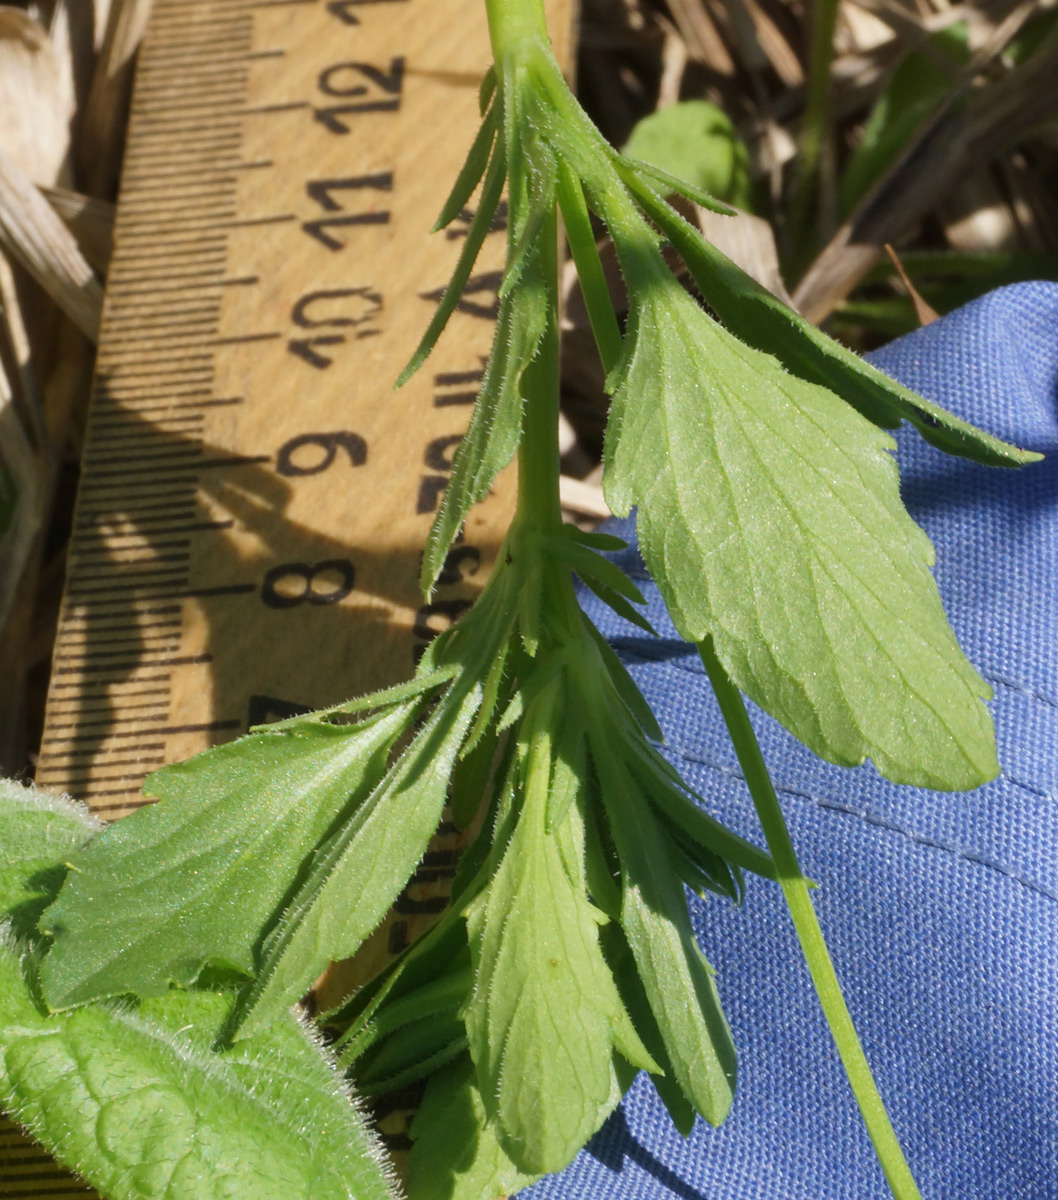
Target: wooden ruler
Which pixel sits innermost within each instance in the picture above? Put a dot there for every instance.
(255, 496)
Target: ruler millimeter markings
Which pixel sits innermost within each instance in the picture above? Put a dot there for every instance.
(254, 496)
(247, 465)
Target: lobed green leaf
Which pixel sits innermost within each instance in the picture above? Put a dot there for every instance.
(681, 1111)
(417, 981)
(569, 768)
(455, 1153)
(391, 1014)
(770, 517)
(473, 167)
(597, 541)
(544, 1016)
(605, 579)
(624, 685)
(135, 1100)
(137, 1103)
(532, 180)
(677, 981)
(200, 876)
(412, 1054)
(39, 832)
(496, 424)
(357, 875)
(420, 687)
(684, 811)
(491, 191)
(764, 322)
(664, 183)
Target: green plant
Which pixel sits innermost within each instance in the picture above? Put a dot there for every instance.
(566, 961)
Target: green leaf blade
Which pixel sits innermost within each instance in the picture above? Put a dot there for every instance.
(39, 832)
(137, 1101)
(496, 424)
(684, 1000)
(767, 324)
(455, 1154)
(199, 876)
(624, 685)
(361, 871)
(685, 812)
(770, 516)
(695, 144)
(479, 227)
(545, 1014)
(472, 170)
(678, 984)
(681, 1111)
(138, 1104)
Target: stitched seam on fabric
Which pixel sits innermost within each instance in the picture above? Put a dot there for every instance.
(1013, 685)
(1022, 689)
(873, 819)
(1035, 790)
(864, 814)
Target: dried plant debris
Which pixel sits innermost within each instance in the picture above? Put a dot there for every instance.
(102, 126)
(89, 219)
(33, 235)
(923, 99)
(57, 186)
(35, 97)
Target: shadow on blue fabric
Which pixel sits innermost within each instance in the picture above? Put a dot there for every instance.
(614, 1143)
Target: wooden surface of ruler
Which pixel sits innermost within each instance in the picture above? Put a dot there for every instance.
(255, 496)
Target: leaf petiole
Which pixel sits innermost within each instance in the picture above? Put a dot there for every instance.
(813, 945)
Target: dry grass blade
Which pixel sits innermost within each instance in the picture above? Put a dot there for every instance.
(749, 242)
(674, 59)
(16, 357)
(34, 99)
(103, 128)
(72, 30)
(582, 498)
(25, 485)
(925, 312)
(91, 221)
(20, 496)
(959, 138)
(767, 34)
(33, 235)
(700, 33)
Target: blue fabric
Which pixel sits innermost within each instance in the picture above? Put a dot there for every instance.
(941, 910)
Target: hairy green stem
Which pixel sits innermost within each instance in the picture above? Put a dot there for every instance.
(538, 467)
(512, 22)
(806, 923)
(539, 505)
